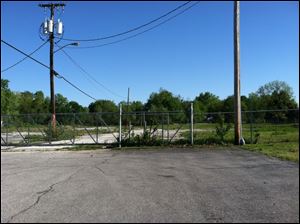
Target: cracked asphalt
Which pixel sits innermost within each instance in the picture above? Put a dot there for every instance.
(172, 185)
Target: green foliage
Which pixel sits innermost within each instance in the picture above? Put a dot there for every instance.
(274, 95)
(58, 133)
(9, 102)
(285, 151)
(75, 107)
(146, 139)
(163, 101)
(208, 102)
(222, 129)
(275, 87)
(103, 106)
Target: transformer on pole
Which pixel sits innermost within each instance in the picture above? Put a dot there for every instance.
(49, 30)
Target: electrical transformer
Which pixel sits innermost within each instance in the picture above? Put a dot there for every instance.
(59, 27)
(45, 27)
(50, 26)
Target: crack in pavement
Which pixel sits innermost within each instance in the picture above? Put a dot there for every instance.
(98, 168)
(42, 193)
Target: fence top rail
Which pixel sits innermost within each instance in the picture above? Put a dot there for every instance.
(145, 112)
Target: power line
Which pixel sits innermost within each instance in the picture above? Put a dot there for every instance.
(77, 88)
(132, 36)
(131, 30)
(55, 73)
(89, 75)
(4, 70)
(27, 55)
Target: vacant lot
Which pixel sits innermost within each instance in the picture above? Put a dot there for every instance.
(173, 185)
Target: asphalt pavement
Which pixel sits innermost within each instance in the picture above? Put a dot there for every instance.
(172, 185)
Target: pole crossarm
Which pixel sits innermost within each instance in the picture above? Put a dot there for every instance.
(52, 5)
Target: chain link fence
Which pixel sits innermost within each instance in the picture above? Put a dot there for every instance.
(149, 128)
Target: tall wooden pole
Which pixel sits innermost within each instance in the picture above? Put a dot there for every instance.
(52, 94)
(237, 96)
(52, 6)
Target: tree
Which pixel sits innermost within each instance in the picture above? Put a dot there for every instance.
(25, 105)
(165, 101)
(103, 106)
(9, 102)
(108, 111)
(275, 95)
(228, 106)
(136, 106)
(75, 107)
(39, 104)
(275, 87)
(209, 102)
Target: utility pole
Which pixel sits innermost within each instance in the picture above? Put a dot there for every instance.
(128, 120)
(128, 99)
(237, 97)
(50, 25)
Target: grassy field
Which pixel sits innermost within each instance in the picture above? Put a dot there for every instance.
(282, 150)
(281, 141)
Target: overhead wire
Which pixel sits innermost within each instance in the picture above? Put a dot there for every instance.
(55, 73)
(131, 30)
(137, 34)
(88, 74)
(4, 70)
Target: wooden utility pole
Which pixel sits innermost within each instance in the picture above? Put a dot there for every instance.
(237, 96)
(52, 6)
(128, 99)
(128, 116)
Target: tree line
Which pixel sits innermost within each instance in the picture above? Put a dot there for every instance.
(276, 95)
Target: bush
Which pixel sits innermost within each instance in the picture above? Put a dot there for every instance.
(143, 140)
(221, 129)
(59, 133)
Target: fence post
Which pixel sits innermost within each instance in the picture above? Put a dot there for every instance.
(168, 122)
(97, 133)
(144, 122)
(74, 129)
(251, 126)
(120, 126)
(28, 131)
(162, 126)
(50, 132)
(7, 132)
(129, 131)
(192, 124)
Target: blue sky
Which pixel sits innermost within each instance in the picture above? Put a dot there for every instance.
(190, 54)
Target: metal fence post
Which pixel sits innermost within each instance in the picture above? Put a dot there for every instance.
(120, 126)
(251, 127)
(50, 133)
(7, 132)
(97, 133)
(168, 123)
(192, 124)
(28, 131)
(144, 122)
(74, 130)
(129, 132)
(162, 126)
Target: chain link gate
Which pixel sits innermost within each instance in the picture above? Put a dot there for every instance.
(145, 128)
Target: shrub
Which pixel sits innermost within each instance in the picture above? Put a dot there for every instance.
(221, 129)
